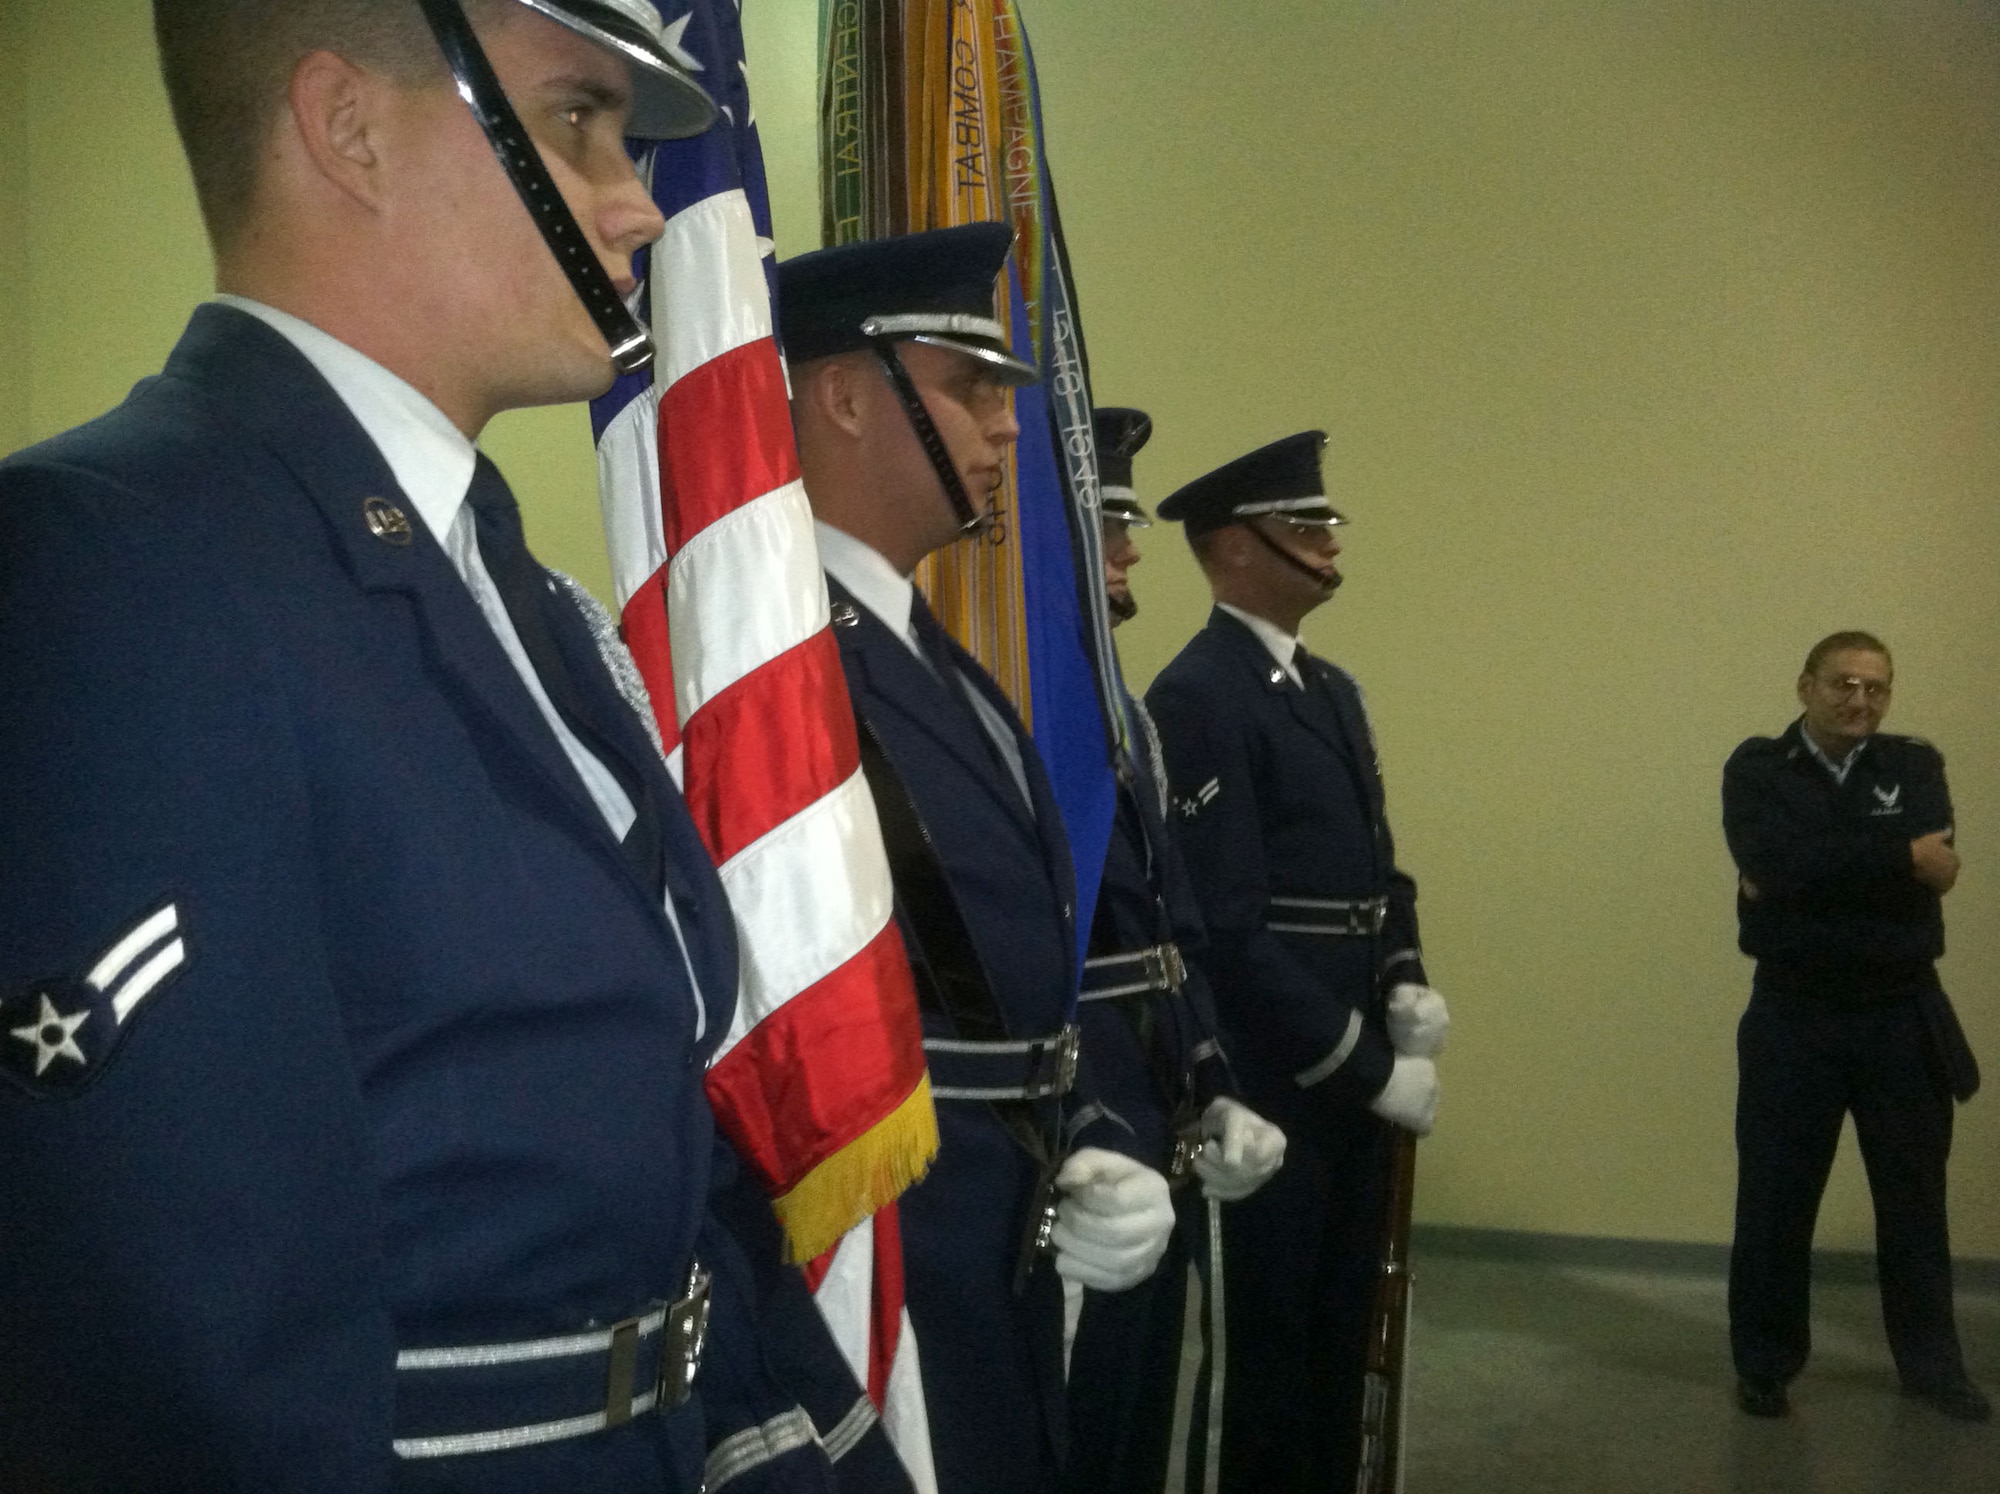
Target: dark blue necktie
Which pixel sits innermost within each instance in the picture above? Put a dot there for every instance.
(524, 589)
(933, 640)
(936, 644)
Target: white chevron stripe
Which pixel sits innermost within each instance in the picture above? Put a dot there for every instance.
(715, 298)
(808, 897)
(146, 978)
(741, 592)
(148, 932)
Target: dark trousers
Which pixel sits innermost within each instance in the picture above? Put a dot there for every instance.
(1124, 1370)
(1802, 1066)
(1299, 1262)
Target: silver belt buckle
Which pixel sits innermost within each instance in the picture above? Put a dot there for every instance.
(1380, 915)
(683, 1331)
(1068, 1041)
(1165, 970)
(683, 1338)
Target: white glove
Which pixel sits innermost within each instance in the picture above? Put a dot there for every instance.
(1410, 1098)
(1418, 1021)
(1114, 1220)
(1240, 1150)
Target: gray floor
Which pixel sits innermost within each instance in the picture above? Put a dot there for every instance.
(1549, 1379)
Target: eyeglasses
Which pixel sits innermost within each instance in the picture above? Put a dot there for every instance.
(1843, 686)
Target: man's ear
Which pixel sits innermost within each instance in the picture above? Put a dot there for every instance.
(336, 111)
(1805, 689)
(835, 393)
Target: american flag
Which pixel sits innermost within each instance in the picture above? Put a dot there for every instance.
(820, 1082)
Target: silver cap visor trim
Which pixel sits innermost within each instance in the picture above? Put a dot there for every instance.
(1291, 507)
(667, 103)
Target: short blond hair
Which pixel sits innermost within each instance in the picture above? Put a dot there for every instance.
(228, 65)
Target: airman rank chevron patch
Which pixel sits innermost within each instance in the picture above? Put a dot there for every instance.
(57, 1034)
(1199, 800)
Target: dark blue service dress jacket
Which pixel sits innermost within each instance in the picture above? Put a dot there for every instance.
(1157, 1054)
(1158, 1062)
(1838, 913)
(337, 1023)
(1278, 794)
(992, 1360)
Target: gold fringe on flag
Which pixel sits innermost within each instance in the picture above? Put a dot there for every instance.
(860, 1178)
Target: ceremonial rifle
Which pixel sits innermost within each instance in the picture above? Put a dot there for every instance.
(1381, 1466)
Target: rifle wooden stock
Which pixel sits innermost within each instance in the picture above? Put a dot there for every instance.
(1381, 1466)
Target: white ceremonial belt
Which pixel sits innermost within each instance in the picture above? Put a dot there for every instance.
(1134, 972)
(1004, 1068)
(608, 1368)
(1360, 917)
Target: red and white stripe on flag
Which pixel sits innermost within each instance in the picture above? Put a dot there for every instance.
(820, 1081)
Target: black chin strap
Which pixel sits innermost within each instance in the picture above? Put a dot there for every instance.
(631, 345)
(970, 520)
(1123, 608)
(1320, 579)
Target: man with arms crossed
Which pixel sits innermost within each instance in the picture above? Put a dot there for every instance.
(1842, 835)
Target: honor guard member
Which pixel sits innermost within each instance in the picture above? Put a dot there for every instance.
(1146, 1013)
(359, 962)
(1842, 835)
(902, 396)
(1313, 957)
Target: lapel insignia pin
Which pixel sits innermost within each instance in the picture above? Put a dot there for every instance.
(386, 522)
(843, 615)
(57, 1034)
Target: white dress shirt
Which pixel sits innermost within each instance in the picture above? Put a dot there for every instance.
(432, 463)
(884, 591)
(1280, 644)
(1840, 769)
(877, 585)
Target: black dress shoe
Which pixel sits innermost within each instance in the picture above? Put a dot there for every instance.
(1959, 1399)
(1762, 1397)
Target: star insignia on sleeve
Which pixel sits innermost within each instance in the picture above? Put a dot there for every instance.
(58, 1032)
(53, 1035)
(1194, 803)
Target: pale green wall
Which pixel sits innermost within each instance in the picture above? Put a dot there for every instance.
(14, 424)
(1655, 341)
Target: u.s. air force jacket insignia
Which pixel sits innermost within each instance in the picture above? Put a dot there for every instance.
(1194, 803)
(57, 1034)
